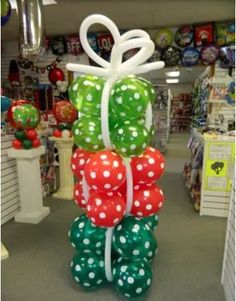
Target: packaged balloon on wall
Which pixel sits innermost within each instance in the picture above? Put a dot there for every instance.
(116, 170)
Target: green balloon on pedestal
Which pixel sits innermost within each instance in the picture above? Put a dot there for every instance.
(152, 221)
(26, 116)
(88, 270)
(84, 235)
(132, 239)
(20, 135)
(128, 98)
(130, 138)
(87, 133)
(131, 278)
(85, 94)
(27, 144)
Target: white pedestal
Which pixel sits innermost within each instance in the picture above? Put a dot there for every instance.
(66, 186)
(31, 198)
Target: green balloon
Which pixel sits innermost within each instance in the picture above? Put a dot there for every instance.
(132, 278)
(129, 98)
(26, 116)
(130, 138)
(149, 88)
(85, 94)
(87, 133)
(27, 144)
(84, 235)
(88, 270)
(132, 239)
(152, 221)
(152, 250)
(20, 135)
(5, 6)
(64, 126)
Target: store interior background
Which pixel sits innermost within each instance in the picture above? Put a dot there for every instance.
(189, 264)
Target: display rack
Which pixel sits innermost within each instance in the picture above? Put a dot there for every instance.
(180, 112)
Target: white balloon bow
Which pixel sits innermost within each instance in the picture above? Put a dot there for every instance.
(112, 71)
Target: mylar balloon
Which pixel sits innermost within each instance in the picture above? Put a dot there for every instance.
(163, 38)
(83, 235)
(88, 270)
(131, 278)
(171, 56)
(85, 94)
(25, 116)
(87, 133)
(184, 36)
(130, 138)
(64, 112)
(209, 54)
(148, 200)
(5, 103)
(190, 56)
(148, 167)
(105, 171)
(132, 238)
(227, 57)
(106, 209)
(78, 161)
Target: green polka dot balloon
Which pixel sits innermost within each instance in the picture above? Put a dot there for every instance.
(20, 135)
(85, 94)
(132, 239)
(152, 249)
(84, 235)
(130, 138)
(152, 221)
(131, 278)
(129, 98)
(26, 116)
(87, 133)
(149, 88)
(88, 270)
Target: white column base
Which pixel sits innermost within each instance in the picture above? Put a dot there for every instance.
(32, 218)
(31, 199)
(4, 252)
(66, 187)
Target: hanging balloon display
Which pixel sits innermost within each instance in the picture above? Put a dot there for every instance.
(55, 75)
(209, 54)
(73, 44)
(171, 56)
(225, 33)
(156, 56)
(203, 34)
(184, 36)
(5, 11)
(227, 57)
(115, 168)
(164, 38)
(190, 56)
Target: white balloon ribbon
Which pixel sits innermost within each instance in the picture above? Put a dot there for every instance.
(112, 71)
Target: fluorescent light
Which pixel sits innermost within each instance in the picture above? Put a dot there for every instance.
(172, 80)
(45, 2)
(173, 73)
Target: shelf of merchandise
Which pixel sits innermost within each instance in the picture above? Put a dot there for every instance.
(228, 268)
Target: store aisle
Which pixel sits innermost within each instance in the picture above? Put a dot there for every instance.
(187, 268)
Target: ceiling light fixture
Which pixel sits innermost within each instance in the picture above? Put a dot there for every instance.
(172, 80)
(173, 73)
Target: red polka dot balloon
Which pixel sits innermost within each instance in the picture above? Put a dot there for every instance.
(105, 171)
(148, 200)
(79, 196)
(148, 167)
(78, 161)
(106, 209)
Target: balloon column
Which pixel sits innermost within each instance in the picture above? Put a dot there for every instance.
(24, 117)
(65, 114)
(116, 169)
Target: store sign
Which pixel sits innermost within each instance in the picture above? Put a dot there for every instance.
(73, 45)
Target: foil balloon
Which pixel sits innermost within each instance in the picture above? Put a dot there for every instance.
(227, 57)
(171, 56)
(31, 21)
(209, 54)
(64, 112)
(190, 56)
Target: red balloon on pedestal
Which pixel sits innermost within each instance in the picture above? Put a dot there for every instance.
(57, 133)
(31, 134)
(63, 111)
(36, 143)
(16, 144)
(56, 74)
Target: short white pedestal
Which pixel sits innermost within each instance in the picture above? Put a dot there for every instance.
(66, 186)
(31, 198)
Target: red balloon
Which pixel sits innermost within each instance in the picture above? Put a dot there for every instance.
(105, 171)
(31, 134)
(17, 144)
(148, 167)
(36, 143)
(105, 209)
(79, 196)
(56, 74)
(12, 108)
(64, 112)
(78, 161)
(57, 133)
(122, 189)
(148, 200)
